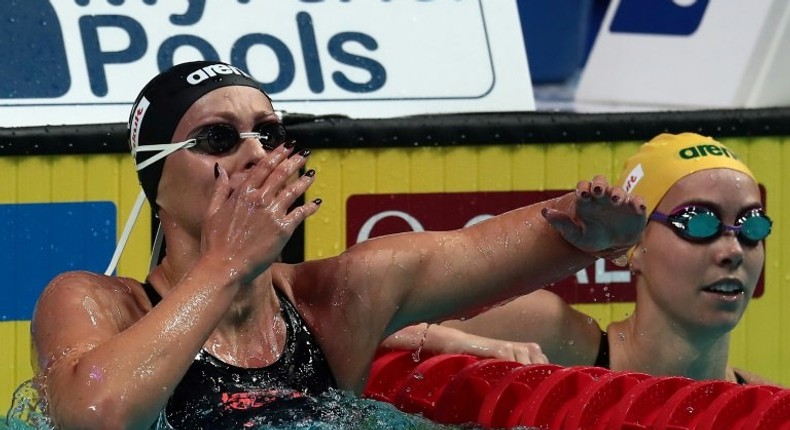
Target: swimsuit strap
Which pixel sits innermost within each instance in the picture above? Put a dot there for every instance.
(740, 379)
(153, 296)
(602, 359)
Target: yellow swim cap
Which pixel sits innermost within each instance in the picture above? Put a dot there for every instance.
(667, 158)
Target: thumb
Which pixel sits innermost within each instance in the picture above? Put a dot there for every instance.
(562, 222)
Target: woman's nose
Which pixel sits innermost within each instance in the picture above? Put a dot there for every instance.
(252, 150)
(730, 252)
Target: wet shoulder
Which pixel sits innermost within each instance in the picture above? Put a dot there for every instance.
(122, 296)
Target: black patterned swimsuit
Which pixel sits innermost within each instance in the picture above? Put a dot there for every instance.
(602, 360)
(216, 395)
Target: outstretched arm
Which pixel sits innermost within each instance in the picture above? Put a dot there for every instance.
(433, 276)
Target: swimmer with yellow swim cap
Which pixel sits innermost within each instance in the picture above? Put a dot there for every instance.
(696, 267)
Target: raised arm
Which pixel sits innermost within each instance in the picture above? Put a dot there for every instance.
(434, 276)
(109, 359)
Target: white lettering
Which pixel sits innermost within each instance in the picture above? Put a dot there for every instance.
(633, 178)
(603, 276)
(197, 77)
(201, 75)
(581, 277)
(477, 219)
(137, 121)
(367, 227)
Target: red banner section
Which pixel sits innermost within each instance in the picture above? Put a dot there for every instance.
(379, 214)
(373, 215)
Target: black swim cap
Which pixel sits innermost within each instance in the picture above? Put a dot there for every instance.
(164, 100)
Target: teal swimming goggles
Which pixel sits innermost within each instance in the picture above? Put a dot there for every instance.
(701, 225)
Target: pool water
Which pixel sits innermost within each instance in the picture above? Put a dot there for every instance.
(338, 410)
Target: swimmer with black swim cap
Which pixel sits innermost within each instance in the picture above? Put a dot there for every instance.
(222, 323)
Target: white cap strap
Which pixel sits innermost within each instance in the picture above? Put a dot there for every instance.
(127, 230)
(164, 149)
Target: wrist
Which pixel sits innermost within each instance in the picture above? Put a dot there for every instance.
(220, 269)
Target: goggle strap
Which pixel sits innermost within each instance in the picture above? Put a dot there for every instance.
(127, 230)
(164, 149)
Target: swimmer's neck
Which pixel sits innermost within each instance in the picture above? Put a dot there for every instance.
(660, 351)
(251, 324)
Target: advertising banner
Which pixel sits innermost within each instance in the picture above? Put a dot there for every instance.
(689, 54)
(84, 62)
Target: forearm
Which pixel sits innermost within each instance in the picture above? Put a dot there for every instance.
(438, 339)
(493, 261)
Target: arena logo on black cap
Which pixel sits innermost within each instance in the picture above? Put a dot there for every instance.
(213, 70)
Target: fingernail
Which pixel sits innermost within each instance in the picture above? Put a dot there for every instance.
(317, 201)
(544, 211)
(290, 144)
(597, 190)
(585, 194)
(310, 172)
(615, 199)
(643, 207)
(216, 170)
(305, 152)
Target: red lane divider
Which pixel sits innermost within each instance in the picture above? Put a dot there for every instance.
(733, 409)
(461, 401)
(593, 408)
(638, 407)
(428, 381)
(683, 409)
(502, 401)
(546, 407)
(460, 389)
(774, 415)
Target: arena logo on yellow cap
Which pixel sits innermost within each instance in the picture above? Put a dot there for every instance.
(706, 150)
(667, 158)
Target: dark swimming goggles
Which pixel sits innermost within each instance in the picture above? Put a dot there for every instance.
(221, 138)
(701, 225)
(217, 139)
